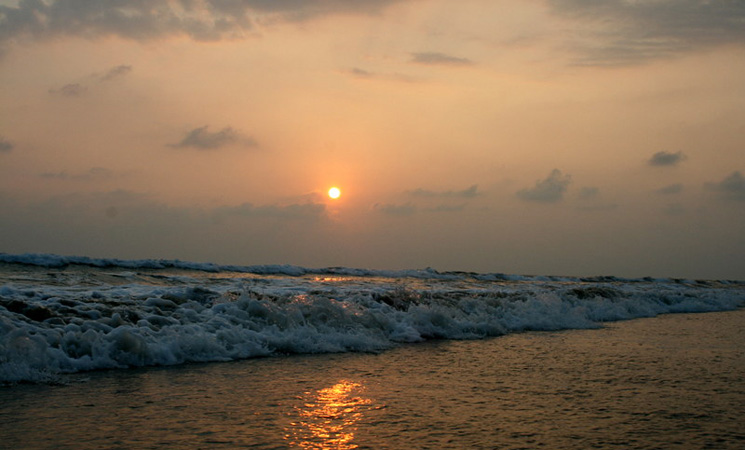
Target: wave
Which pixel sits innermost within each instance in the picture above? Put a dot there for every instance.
(47, 260)
(113, 316)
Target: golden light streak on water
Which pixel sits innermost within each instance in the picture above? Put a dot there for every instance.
(327, 419)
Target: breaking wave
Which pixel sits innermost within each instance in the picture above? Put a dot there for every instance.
(69, 314)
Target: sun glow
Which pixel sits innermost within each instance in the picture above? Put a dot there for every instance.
(334, 192)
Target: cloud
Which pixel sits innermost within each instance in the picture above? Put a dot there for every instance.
(201, 138)
(609, 32)
(124, 224)
(362, 74)
(5, 145)
(550, 190)
(131, 19)
(672, 189)
(730, 188)
(295, 10)
(391, 209)
(294, 211)
(621, 32)
(448, 208)
(469, 192)
(666, 159)
(441, 59)
(93, 174)
(588, 193)
(116, 72)
(70, 90)
(77, 89)
(202, 20)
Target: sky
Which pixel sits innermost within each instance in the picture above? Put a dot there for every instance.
(541, 137)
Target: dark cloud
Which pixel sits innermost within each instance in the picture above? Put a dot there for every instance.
(127, 225)
(666, 159)
(133, 19)
(469, 192)
(731, 188)
(5, 145)
(142, 20)
(134, 226)
(671, 189)
(201, 138)
(550, 190)
(70, 90)
(116, 72)
(630, 32)
(618, 31)
(390, 209)
(294, 10)
(434, 58)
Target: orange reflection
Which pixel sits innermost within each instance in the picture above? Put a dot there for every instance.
(327, 418)
(331, 279)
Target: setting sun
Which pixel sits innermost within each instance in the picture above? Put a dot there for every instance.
(334, 192)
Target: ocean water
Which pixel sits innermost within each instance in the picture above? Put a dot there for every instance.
(168, 354)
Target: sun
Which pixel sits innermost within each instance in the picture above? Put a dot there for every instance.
(334, 192)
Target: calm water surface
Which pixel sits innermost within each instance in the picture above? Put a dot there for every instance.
(675, 381)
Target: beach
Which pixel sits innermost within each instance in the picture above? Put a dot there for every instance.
(674, 381)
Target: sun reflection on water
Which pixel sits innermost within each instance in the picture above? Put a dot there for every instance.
(327, 418)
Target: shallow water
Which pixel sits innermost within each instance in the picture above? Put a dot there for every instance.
(675, 381)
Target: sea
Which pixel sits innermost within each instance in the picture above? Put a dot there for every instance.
(161, 354)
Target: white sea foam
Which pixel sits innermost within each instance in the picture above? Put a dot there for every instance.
(69, 314)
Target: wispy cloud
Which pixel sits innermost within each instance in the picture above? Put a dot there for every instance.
(618, 32)
(202, 20)
(93, 174)
(609, 32)
(448, 208)
(392, 209)
(469, 192)
(549, 190)
(70, 90)
(439, 59)
(116, 72)
(203, 139)
(294, 211)
(676, 188)
(666, 159)
(5, 145)
(589, 192)
(730, 188)
(79, 88)
(362, 74)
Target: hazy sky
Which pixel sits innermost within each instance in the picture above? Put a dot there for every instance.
(550, 137)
